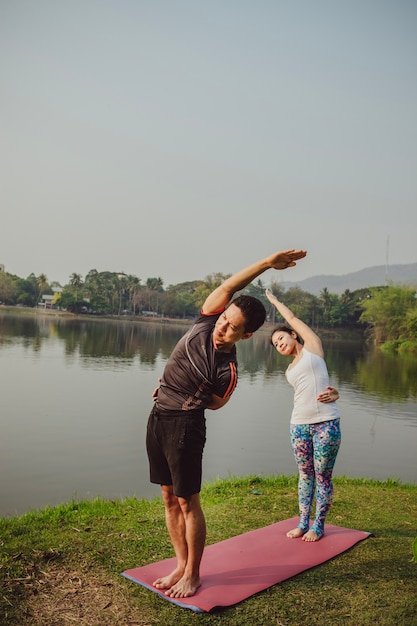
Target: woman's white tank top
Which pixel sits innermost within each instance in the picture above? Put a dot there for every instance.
(309, 377)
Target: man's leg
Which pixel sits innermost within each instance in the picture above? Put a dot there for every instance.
(187, 529)
(176, 527)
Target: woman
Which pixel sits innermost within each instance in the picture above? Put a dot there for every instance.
(315, 419)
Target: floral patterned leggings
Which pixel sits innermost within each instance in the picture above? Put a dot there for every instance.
(315, 448)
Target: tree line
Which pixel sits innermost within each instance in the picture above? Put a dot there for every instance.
(387, 313)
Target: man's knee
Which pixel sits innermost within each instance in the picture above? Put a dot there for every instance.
(168, 496)
(190, 503)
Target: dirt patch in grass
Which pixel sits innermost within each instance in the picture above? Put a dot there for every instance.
(55, 596)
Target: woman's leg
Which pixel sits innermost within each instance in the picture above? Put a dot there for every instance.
(326, 444)
(302, 447)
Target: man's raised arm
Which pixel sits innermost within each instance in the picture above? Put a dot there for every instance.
(221, 296)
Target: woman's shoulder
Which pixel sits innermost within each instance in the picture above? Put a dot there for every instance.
(314, 353)
(313, 344)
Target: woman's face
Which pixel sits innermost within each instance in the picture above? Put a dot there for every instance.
(285, 343)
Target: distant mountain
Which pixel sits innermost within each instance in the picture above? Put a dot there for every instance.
(368, 277)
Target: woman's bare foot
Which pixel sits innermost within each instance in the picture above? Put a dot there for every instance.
(184, 588)
(295, 533)
(311, 536)
(167, 582)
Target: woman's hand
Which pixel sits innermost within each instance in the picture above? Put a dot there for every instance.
(273, 299)
(329, 395)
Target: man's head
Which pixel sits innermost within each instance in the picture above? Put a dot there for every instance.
(240, 320)
(253, 311)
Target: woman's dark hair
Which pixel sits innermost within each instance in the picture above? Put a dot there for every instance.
(286, 329)
(253, 311)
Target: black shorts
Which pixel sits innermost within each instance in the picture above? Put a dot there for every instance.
(175, 443)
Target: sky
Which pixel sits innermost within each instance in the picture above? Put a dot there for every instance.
(179, 138)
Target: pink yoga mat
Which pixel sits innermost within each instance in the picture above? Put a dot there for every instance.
(239, 567)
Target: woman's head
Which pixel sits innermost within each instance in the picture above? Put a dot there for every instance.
(285, 340)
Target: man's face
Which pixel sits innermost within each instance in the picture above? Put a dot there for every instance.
(230, 328)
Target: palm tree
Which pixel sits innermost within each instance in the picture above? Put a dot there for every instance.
(76, 280)
(133, 286)
(155, 284)
(41, 282)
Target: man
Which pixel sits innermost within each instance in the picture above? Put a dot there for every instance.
(200, 374)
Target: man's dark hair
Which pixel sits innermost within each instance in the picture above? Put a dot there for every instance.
(253, 311)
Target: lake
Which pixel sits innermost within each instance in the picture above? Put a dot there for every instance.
(76, 394)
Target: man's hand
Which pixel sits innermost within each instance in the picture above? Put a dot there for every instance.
(288, 258)
(221, 296)
(155, 391)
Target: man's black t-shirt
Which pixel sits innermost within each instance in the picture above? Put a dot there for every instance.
(196, 370)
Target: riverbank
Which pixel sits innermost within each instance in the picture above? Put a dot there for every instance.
(63, 565)
(328, 333)
(67, 315)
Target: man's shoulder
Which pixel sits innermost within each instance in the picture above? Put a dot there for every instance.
(205, 319)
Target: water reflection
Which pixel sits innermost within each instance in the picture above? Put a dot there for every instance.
(94, 339)
(387, 376)
(384, 376)
(76, 395)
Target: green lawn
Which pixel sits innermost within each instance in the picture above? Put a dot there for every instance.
(63, 565)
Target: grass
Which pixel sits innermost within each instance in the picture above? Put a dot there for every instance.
(62, 566)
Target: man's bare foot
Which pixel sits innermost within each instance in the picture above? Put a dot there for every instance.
(166, 582)
(184, 588)
(311, 536)
(295, 533)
